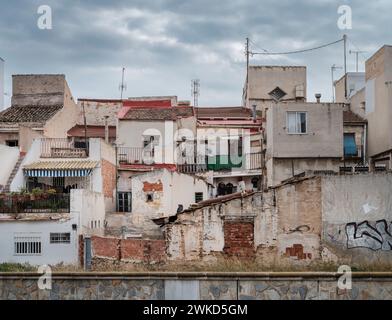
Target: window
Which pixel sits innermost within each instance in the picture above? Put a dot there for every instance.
(27, 245)
(350, 147)
(198, 196)
(12, 143)
(296, 122)
(124, 202)
(149, 142)
(150, 197)
(60, 237)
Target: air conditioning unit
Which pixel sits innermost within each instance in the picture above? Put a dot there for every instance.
(300, 91)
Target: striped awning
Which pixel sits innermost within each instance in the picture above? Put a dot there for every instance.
(59, 168)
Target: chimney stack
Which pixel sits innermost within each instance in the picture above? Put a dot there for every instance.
(318, 97)
(106, 129)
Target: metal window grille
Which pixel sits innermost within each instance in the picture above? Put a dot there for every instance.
(27, 245)
(60, 237)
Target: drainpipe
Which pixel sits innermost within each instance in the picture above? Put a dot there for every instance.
(116, 160)
(365, 144)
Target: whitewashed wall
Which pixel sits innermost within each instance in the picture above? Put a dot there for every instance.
(8, 158)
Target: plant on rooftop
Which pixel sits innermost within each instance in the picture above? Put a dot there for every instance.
(51, 191)
(23, 190)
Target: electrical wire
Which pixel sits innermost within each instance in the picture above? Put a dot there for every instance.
(356, 47)
(297, 51)
(257, 47)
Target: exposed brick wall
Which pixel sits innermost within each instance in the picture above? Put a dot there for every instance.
(239, 238)
(143, 250)
(297, 250)
(105, 247)
(108, 178)
(148, 187)
(129, 249)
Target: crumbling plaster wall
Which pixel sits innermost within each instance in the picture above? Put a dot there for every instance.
(199, 233)
(299, 223)
(166, 190)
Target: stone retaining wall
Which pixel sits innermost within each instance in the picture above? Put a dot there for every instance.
(206, 286)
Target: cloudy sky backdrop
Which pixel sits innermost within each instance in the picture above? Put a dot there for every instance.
(165, 43)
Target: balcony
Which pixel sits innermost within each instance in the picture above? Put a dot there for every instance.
(135, 155)
(249, 161)
(192, 164)
(63, 148)
(34, 203)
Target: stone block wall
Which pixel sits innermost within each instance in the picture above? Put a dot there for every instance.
(212, 286)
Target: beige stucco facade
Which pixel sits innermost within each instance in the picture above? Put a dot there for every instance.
(378, 101)
(263, 79)
(320, 148)
(96, 111)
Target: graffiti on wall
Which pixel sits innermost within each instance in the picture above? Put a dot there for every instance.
(364, 235)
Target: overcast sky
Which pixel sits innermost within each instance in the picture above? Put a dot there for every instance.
(164, 44)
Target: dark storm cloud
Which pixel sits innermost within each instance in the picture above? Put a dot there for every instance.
(164, 44)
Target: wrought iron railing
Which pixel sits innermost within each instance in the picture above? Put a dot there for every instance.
(192, 164)
(249, 161)
(135, 155)
(63, 148)
(30, 203)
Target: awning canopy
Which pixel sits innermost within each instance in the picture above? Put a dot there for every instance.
(59, 168)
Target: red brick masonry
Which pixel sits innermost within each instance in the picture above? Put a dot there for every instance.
(239, 238)
(129, 249)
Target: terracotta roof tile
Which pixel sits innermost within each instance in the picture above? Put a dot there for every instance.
(92, 131)
(170, 113)
(29, 113)
(223, 112)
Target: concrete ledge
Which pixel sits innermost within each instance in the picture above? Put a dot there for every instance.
(195, 275)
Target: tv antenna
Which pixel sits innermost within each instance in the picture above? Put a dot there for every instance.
(195, 91)
(123, 86)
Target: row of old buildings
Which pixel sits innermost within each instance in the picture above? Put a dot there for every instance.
(125, 168)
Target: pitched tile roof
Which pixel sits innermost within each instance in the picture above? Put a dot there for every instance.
(223, 112)
(349, 116)
(170, 113)
(29, 113)
(92, 131)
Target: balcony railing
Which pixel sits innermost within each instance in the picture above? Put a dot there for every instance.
(192, 164)
(44, 203)
(253, 161)
(63, 148)
(134, 155)
(249, 161)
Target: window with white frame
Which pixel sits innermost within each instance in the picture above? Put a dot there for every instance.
(27, 246)
(297, 122)
(64, 237)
